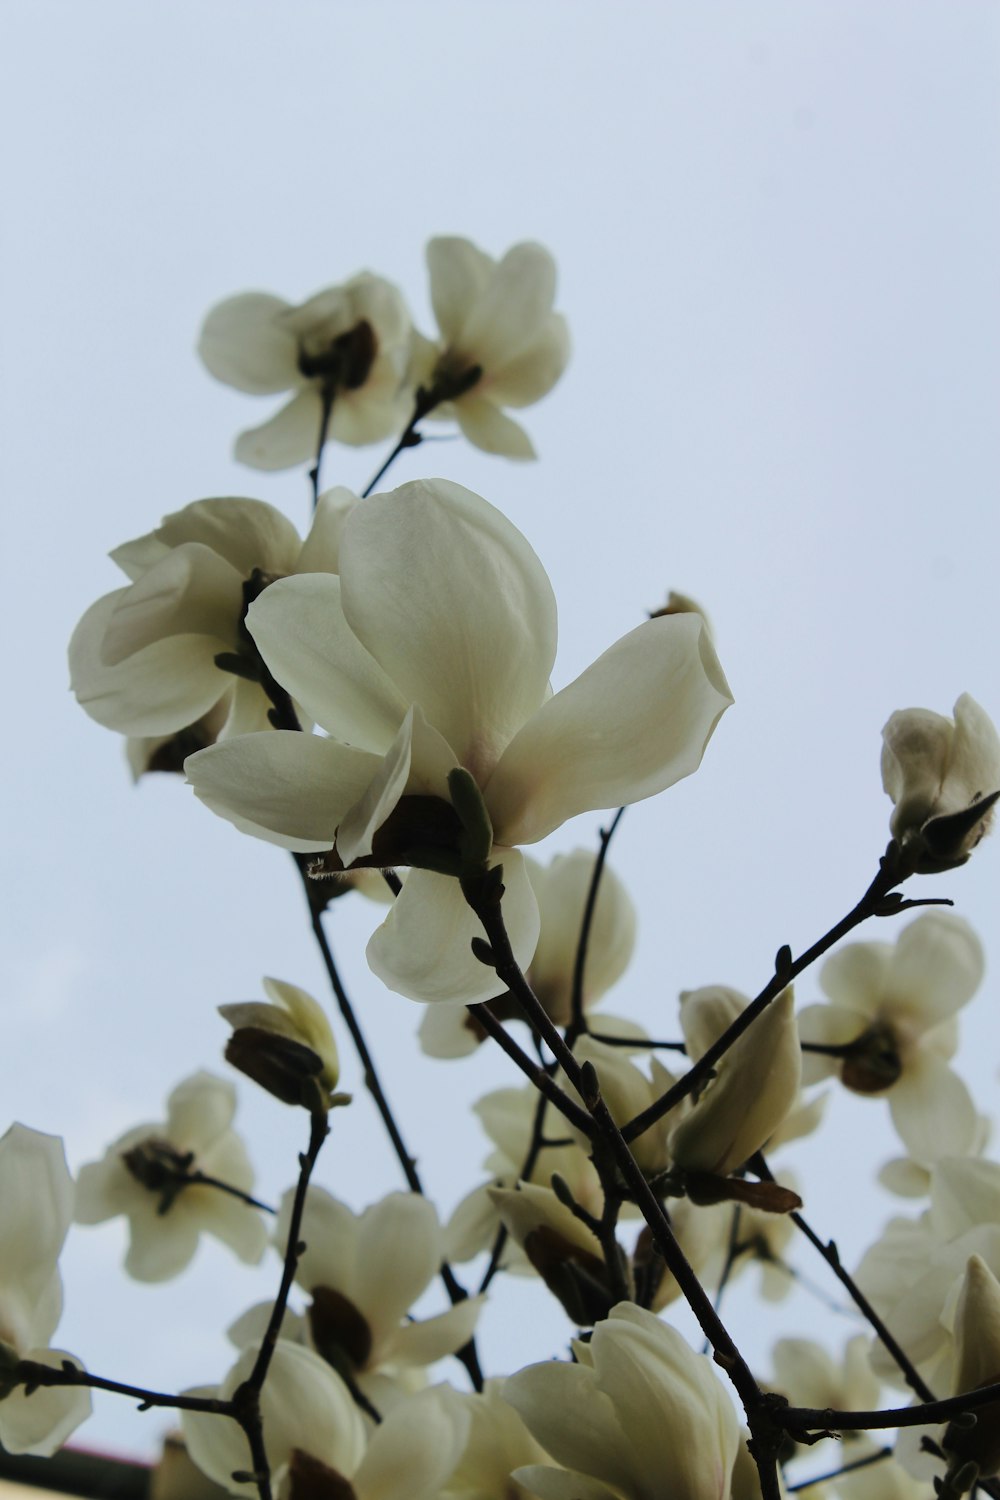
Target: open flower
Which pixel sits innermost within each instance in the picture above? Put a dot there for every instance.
(36, 1191)
(943, 776)
(561, 889)
(638, 1417)
(500, 339)
(890, 1028)
(432, 652)
(349, 345)
(167, 659)
(147, 1176)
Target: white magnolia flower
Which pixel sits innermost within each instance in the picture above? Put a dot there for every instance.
(36, 1191)
(350, 342)
(364, 1272)
(292, 1016)
(935, 769)
(891, 1019)
(141, 1176)
(977, 1363)
(755, 1085)
(638, 1417)
(432, 651)
(143, 660)
(316, 1441)
(495, 318)
(561, 889)
(498, 1443)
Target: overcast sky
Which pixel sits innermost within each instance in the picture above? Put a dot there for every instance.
(777, 233)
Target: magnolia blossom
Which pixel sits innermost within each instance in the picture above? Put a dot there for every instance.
(349, 345)
(293, 1016)
(936, 771)
(432, 652)
(143, 1177)
(977, 1363)
(316, 1441)
(891, 1026)
(561, 889)
(145, 660)
(499, 338)
(36, 1191)
(498, 1443)
(639, 1416)
(364, 1272)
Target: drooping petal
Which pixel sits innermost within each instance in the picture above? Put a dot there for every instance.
(289, 438)
(423, 948)
(291, 789)
(161, 1246)
(471, 636)
(490, 429)
(532, 373)
(165, 687)
(299, 626)
(41, 1423)
(412, 1453)
(459, 274)
(245, 343)
(932, 1109)
(631, 725)
(430, 1339)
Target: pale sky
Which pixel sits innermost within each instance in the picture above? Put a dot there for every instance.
(777, 233)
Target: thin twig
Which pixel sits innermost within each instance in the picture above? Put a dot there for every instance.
(326, 395)
(859, 1463)
(578, 1021)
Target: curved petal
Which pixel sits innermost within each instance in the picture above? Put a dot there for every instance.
(239, 1227)
(933, 1110)
(299, 626)
(490, 429)
(856, 976)
(160, 1245)
(512, 308)
(532, 374)
(244, 343)
(398, 1255)
(289, 438)
(459, 274)
(430, 1339)
(330, 1231)
(563, 1409)
(562, 1484)
(321, 549)
(199, 1110)
(247, 533)
(413, 1452)
(827, 1026)
(418, 761)
(445, 1031)
(37, 1191)
(937, 967)
(423, 948)
(165, 687)
(472, 635)
(631, 725)
(282, 786)
(193, 591)
(41, 1423)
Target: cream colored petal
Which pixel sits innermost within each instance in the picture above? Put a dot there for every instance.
(974, 771)
(418, 761)
(937, 966)
(40, 1423)
(471, 638)
(562, 1484)
(413, 1451)
(379, 410)
(472, 1226)
(281, 785)
(856, 976)
(430, 1339)
(299, 626)
(321, 549)
(161, 1246)
(423, 948)
(244, 342)
(459, 275)
(964, 1192)
(37, 1193)
(288, 439)
(532, 373)
(166, 687)
(512, 309)
(562, 1407)
(827, 1026)
(241, 1228)
(399, 1253)
(248, 534)
(490, 429)
(631, 725)
(192, 591)
(932, 1109)
(448, 1031)
(330, 1231)
(199, 1110)
(562, 889)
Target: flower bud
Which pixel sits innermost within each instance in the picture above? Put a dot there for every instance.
(564, 1252)
(287, 1047)
(977, 1363)
(943, 776)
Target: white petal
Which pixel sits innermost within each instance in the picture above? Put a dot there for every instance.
(459, 274)
(289, 438)
(398, 1255)
(528, 377)
(249, 534)
(856, 976)
(161, 1246)
(199, 1110)
(413, 1452)
(41, 1423)
(827, 1026)
(430, 1339)
(471, 637)
(423, 948)
(631, 725)
(245, 343)
(932, 1109)
(937, 967)
(299, 626)
(37, 1193)
(418, 762)
(321, 548)
(562, 1484)
(563, 1409)
(490, 429)
(282, 786)
(330, 1231)
(447, 1031)
(166, 687)
(512, 309)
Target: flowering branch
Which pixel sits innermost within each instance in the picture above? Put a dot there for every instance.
(444, 388)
